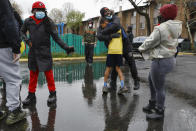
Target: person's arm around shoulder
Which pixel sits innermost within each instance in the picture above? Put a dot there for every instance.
(114, 26)
(152, 41)
(102, 37)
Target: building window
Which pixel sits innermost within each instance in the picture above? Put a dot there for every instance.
(134, 13)
(133, 26)
(142, 25)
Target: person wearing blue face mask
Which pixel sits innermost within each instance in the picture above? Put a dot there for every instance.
(90, 41)
(40, 28)
(127, 50)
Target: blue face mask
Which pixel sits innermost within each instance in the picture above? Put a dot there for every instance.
(40, 15)
(109, 17)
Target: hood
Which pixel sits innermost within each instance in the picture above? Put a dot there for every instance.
(174, 27)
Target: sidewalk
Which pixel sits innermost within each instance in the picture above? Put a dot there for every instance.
(97, 57)
(182, 80)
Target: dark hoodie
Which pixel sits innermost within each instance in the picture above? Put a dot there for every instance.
(9, 30)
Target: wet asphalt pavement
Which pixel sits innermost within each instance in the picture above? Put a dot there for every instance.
(82, 107)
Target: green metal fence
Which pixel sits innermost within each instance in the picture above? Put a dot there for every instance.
(76, 41)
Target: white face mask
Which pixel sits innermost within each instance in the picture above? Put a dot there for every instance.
(90, 25)
(109, 17)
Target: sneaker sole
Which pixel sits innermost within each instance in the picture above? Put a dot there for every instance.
(105, 92)
(158, 118)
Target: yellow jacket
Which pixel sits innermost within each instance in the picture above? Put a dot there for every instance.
(116, 45)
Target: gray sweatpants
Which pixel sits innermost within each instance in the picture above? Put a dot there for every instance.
(159, 69)
(11, 75)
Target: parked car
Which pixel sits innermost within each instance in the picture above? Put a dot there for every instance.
(183, 44)
(137, 42)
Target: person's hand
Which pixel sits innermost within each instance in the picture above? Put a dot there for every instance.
(70, 50)
(30, 44)
(115, 35)
(16, 57)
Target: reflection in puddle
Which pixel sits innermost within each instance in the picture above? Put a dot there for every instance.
(70, 72)
(89, 87)
(118, 111)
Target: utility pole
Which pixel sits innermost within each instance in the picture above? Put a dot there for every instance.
(187, 25)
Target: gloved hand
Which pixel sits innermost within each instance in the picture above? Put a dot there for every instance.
(115, 35)
(70, 50)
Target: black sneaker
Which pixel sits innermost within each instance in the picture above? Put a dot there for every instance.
(150, 108)
(2, 115)
(157, 115)
(52, 97)
(31, 99)
(123, 90)
(136, 84)
(15, 116)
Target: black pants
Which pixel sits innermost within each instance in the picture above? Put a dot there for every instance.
(89, 51)
(131, 62)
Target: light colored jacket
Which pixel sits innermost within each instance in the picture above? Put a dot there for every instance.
(163, 40)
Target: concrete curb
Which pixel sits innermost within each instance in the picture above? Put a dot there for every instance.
(95, 58)
(71, 58)
(186, 53)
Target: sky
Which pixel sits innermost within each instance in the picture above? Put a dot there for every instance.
(89, 7)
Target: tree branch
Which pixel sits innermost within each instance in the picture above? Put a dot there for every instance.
(139, 2)
(143, 14)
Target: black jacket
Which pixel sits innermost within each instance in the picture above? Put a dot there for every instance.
(40, 56)
(105, 38)
(127, 47)
(131, 36)
(114, 27)
(9, 30)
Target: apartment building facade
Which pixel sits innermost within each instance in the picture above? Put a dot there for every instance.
(132, 18)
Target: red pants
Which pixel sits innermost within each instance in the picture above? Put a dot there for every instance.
(34, 77)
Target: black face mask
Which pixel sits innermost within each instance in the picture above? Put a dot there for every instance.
(161, 19)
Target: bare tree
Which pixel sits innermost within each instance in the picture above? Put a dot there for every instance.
(140, 11)
(67, 7)
(186, 8)
(56, 15)
(17, 7)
